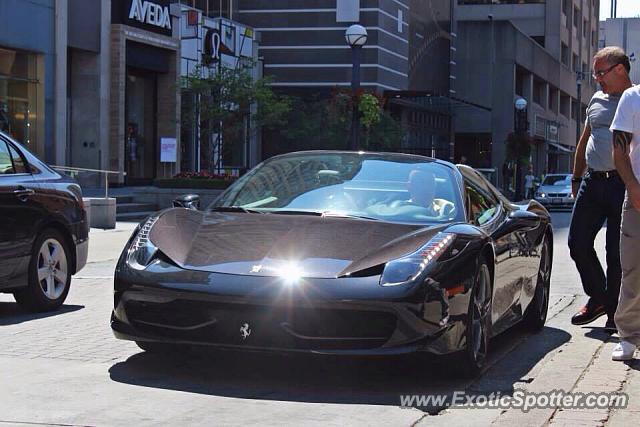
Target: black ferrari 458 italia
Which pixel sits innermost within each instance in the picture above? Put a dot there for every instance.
(339, 253)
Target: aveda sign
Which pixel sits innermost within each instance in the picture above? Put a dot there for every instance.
(150, 13)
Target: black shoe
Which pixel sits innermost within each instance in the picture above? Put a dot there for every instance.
(588, 314)
(610, 326)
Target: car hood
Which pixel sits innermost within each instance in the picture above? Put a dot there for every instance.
(554, 189)
(274, 244)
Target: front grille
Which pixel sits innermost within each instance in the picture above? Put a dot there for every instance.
(271, 327)
(557, 195)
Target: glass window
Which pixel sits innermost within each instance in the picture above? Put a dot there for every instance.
(563, 179)
(384, 187)
(18, 162)
(6, 165)
(18, 96)
(481, 204)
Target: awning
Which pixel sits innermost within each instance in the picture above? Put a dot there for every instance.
(428, 101)
(560, 147)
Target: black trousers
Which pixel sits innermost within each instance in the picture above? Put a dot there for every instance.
(598, 200)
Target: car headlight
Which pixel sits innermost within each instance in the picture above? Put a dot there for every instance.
(541, 195)
(142, 250)
(410, 267)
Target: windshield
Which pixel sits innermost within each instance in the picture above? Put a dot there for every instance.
(557, 180)
(385, 187)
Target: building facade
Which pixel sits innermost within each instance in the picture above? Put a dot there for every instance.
(406, 57)
(209, 44)
(145, 97)
(623, 32)
(28, 70)
(539, 50)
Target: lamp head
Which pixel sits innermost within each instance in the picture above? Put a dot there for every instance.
(356, 35)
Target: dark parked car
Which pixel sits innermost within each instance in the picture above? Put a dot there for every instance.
(341, 253)
(44, 235)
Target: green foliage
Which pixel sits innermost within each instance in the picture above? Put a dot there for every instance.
(370, 109)
(227, 97)
(326, 123)
(229, 93)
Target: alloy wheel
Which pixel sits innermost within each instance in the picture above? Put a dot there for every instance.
(480, 312)
(52, 268)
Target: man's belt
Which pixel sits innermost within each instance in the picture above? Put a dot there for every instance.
(601, 174)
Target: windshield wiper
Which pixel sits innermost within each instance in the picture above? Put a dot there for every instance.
(344, 215)
(294, 212)
(234, 209)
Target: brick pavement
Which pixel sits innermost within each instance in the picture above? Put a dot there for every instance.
(80, 331)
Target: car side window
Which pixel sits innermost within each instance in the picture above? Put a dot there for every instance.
(19, 165)
(6, 164)
(481, 204)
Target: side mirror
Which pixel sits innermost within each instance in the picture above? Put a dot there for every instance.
(524, 219)
(189, 201)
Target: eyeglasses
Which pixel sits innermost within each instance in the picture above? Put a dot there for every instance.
(602, 73)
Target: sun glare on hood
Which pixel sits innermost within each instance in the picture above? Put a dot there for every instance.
(290, 272)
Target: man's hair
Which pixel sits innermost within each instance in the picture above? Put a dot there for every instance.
(613, 55)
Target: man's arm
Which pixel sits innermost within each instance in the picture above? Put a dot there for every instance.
(621, 149)
(580, 162)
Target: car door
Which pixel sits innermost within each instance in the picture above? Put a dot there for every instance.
(18, 213)
(488, 212)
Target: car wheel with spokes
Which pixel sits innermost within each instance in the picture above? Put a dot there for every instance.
(478, 329)
(536, 314)
(49, 274)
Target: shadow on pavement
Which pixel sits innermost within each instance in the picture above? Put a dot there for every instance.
(598, 333)
(329, 379)
(13, 314)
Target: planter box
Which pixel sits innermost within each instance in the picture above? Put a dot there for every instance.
(103, 212)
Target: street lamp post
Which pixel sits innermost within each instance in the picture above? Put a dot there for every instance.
(520, 128)
(356, 36)
(579, 78)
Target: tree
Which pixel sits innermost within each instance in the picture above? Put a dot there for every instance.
(224, 99)
(325, 123)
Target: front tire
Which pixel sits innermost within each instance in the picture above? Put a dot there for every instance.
(49, 276)
(478, 329)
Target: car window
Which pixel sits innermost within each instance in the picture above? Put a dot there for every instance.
(482, 205)
(18, 162)
(557, 180)
(6, 164)
(390, 188)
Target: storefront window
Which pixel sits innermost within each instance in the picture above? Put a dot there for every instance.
(18, 96)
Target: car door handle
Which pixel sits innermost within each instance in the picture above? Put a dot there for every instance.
(23, 193)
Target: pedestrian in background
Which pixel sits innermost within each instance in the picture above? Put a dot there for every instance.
(599, 191)
(626, 153)
(529, 179)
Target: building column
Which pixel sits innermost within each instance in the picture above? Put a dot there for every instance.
(104, 66)
(58, 155)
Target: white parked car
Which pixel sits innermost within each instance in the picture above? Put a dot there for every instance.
(555, 191)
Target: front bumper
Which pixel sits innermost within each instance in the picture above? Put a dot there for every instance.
(82, 253)
(556, 202)
(332, 316)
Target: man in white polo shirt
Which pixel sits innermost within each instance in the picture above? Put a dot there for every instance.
(626, 154)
